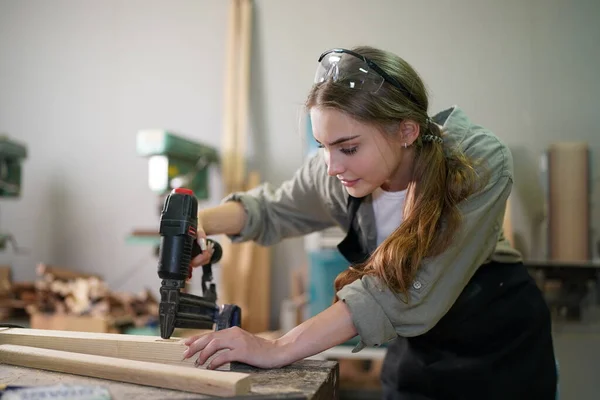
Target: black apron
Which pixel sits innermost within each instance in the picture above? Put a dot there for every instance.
(495, 342)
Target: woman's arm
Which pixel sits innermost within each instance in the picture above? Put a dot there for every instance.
(325, 330)
(228, 218)
(329, 328)
(299, 206)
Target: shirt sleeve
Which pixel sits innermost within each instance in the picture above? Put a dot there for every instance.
(380, 315)
(295, 208)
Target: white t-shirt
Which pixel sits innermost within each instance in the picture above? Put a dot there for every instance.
(388, 208)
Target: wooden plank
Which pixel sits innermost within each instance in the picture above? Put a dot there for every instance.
(314, 379)
(131, 347)
(507, 225)
(62, 273)
(569, 215)
(298, 291)
(65, 322)
(5, 280)
(243, 94)
(259, 302)
(258, 271)
(193, 380)
(246, 273)
(245, 267)
(229, 145)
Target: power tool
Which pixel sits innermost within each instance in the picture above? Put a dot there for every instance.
(178, 246)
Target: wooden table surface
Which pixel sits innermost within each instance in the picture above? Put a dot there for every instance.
(306, 379)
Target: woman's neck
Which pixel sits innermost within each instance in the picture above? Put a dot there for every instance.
(401, 176)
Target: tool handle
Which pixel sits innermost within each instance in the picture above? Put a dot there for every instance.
(216, 257)
(217, 250)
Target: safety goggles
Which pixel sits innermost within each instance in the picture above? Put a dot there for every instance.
(356, 71)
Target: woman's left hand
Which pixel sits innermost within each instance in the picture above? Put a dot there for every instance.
(326, 329)
(242, 347)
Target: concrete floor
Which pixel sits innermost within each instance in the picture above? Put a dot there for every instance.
(578, 354)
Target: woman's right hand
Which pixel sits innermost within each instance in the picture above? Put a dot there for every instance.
(207, 248)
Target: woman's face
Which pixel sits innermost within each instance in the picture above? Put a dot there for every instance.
(358, 154)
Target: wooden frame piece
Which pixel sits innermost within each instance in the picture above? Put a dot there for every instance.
(193, 380)
(130, 347)
(244, 265)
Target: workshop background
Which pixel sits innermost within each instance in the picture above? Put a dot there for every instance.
(79, 80)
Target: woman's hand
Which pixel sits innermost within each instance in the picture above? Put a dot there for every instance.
(228, 219)
(329, 328)
(207, 250)
(241, 345)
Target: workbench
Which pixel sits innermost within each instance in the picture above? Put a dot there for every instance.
(579, 281)
(306, 379)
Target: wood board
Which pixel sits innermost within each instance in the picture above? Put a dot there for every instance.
(507, 225)
(5, 280)
(569, 214)
(247, 278)
(193, 380)
(236, 95)
(314, 379)
(65, 322)
(245, 267)
(130, 347)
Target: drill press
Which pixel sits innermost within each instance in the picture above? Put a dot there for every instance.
(12, 153)
(176, 161)
(178, 245)
(173, 161)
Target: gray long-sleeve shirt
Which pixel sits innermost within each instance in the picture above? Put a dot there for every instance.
(312, 200)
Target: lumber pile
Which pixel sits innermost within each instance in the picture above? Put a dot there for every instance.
(64, 292)
(14, 297)
(60, 292)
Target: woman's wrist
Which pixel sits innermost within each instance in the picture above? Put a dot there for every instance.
(285, 351)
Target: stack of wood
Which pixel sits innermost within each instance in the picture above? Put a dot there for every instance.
(5, 293)
(61, 291)
(14, 297)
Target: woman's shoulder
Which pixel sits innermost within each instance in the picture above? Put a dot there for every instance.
(477, 142)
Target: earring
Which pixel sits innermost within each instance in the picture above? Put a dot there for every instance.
(405, 145)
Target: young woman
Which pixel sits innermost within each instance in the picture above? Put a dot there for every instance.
(422, 200)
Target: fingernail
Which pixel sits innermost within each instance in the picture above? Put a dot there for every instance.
(202, 243)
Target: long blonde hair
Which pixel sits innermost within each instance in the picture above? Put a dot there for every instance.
(441, 177)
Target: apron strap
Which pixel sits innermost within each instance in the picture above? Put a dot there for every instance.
(351, 247)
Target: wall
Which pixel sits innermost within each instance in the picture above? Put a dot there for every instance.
(78, 80)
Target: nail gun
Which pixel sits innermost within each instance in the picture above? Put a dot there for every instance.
(178, 245)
